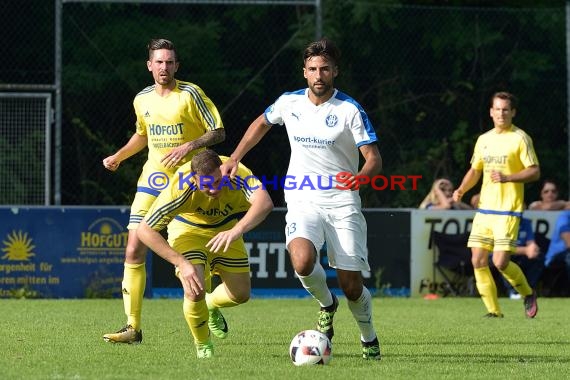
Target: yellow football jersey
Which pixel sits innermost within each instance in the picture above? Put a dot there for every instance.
(508, 152)
(183, 201)
(170, 121)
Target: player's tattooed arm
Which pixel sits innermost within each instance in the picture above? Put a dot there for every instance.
(209, 138)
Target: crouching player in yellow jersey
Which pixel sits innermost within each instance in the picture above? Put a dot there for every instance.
(175, 120)
(207, 214)
(506, 159)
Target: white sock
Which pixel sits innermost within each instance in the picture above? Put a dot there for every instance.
(362, 311)
(316, 285)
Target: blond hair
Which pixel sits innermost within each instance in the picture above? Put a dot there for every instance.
(431, 198)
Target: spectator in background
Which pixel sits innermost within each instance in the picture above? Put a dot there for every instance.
(474, 201)
(441, 197)
(548, 198)
(559, 249)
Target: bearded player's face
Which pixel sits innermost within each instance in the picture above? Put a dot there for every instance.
(320, 74)
(163, 66)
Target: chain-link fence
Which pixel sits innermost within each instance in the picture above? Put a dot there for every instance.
(25, 122)
(423, 74)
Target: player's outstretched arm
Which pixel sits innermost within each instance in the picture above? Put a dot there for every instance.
(255, 132)
(471, 178)
(372, 160)
(261, 206)
(135, 144)
(189, 277)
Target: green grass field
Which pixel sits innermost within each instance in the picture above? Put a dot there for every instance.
(438, 339)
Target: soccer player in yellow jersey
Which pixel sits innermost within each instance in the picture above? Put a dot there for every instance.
(175, 120)
(207, 214)
(505, 158)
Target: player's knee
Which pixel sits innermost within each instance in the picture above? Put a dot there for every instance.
(303, 270)
(239, 295)
(135, 253)
(303, 261)
(500, 264)
(352, 291)
(302, 265)
(194, 297)
(242, 297)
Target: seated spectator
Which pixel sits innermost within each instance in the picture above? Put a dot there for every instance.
(559, 249)
(548, 198)
(441, 197)
(528, 256)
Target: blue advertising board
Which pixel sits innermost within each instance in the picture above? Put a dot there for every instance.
(273, 276)
(55, 252)
(78, 252)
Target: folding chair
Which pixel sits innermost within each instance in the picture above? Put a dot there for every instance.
(452, 260)
(542, 241)
(554, 279)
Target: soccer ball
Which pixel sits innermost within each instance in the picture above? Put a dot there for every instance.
(310, 347)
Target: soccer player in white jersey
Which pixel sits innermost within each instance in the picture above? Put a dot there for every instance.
(175, 120)
(505, 158)
(326, 130)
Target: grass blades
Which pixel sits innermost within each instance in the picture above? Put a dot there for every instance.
(439, 339)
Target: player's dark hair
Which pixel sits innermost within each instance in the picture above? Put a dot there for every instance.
(205, 162)
(505, 96)
(158, 44)
(322, 48)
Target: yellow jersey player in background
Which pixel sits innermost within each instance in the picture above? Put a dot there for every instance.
(175, 120)
(207, 215)
(506, 159)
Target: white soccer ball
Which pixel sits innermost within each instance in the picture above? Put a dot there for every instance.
(310, 347)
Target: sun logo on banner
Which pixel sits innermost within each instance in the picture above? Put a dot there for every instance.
(106, 229)
(18, 246)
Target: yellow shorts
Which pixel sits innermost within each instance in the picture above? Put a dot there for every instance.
(494, 232)
(139, 208)
(191, 242)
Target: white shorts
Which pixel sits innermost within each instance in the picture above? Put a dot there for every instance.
(343, 228)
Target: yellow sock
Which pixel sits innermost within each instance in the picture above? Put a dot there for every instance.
(515, 276)
(487, 289)
(196, 315)
(219, 298)
(134, 282)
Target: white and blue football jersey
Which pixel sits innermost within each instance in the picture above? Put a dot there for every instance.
(324, 142)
